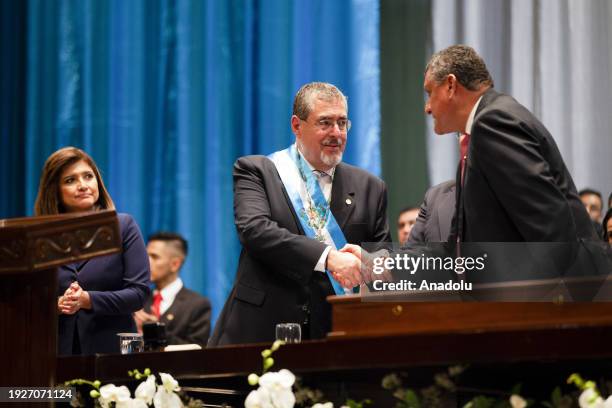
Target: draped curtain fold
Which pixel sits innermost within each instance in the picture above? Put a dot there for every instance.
(165, 95)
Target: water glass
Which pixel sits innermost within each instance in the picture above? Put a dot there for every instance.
(289, 332)
(130, 343)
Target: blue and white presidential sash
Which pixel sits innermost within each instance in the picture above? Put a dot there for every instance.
(309, 202)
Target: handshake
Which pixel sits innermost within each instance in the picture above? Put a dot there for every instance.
(352, 266)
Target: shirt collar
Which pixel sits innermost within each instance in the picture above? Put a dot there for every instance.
(311, 167)
(470, 121)
(170, 291)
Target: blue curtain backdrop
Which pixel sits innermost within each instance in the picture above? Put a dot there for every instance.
(165, 95)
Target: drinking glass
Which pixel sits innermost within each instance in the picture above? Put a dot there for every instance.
(130, 343)
(289, 332)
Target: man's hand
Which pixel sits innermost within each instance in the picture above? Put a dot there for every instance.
(345, 268)
(141, 317)
(367, 262)
(353, 249)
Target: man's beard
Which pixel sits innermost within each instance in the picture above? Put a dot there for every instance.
(332, 160)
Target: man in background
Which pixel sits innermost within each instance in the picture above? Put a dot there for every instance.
(405, 221)
(185, 313)
(593, 202)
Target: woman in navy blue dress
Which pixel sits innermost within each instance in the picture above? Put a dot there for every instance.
(96, 297)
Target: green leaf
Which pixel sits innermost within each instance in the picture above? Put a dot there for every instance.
(412, 399)
(555, 396)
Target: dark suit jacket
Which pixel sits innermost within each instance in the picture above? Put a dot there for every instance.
(187, 319)
(275, 281)
(516, 186)
(118, 285)
(435, 215)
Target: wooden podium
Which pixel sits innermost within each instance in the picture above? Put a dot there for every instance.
(30, 250)
(489, 308)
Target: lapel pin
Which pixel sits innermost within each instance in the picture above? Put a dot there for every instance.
(348, 201)
(170, 316)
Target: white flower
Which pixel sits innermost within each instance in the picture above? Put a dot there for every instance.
(590, 399)
(278, 385)
(110, 393)
(608, 402)
(516, 401)
(146, 390)
(169, 383)
(325, 405)
(259, 398)
(275, 380)
(132, 403)
(165, 399)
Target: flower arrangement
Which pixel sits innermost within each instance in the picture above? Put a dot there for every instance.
(276, 388)
(148, 393)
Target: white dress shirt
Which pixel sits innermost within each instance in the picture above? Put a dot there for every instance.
(169, 294)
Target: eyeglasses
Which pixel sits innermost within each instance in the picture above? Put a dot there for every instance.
(327, 124)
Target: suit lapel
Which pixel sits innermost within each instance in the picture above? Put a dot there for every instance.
(296, 220)
(343, 200)
(170, 314)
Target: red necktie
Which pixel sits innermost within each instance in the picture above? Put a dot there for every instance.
(157, 298)
(464, 142)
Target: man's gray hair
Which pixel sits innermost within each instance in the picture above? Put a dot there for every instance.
(463, 62)
(303, 102)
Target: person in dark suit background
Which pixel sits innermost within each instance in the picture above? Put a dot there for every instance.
(433, 223)
(512, 184)
(286, 251)
(96, 297)
(185, 313)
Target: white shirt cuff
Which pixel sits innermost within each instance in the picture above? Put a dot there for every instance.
(320, 267)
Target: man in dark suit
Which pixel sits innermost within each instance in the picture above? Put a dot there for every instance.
(435, 215)
(512, 184)
(293, 210)
(185, 313)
